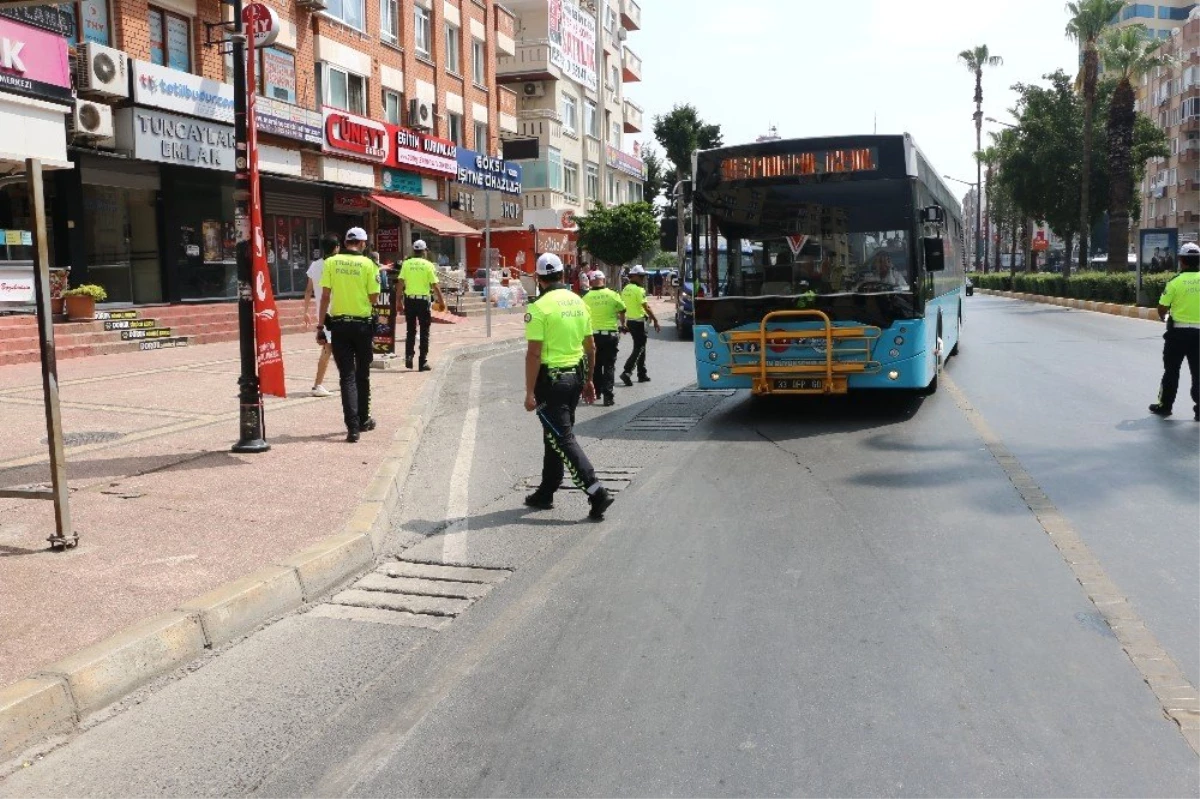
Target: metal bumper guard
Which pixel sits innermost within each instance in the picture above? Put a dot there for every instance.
(829, 375)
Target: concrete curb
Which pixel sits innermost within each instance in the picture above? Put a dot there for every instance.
(56, 698)
(1111, 308)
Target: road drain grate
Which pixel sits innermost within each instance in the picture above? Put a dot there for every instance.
(701, 392)
(413, 594)
(666, 424)
(88, 437)
(615, 479)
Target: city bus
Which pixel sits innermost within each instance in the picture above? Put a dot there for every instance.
(683, 298)
(854, 273)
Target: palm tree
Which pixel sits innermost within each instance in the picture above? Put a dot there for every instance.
(989, 157)
(1088, 20)
(1129, 54)
(975, 60)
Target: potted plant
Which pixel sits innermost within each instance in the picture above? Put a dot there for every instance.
(58, 284)
(81, 301)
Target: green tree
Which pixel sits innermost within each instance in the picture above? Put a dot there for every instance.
(975, 60)
(1087, 23)
(652, 187)
(680, 133)
(618, 234)
(1128, 55)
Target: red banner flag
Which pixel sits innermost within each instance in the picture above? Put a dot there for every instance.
(267, 334)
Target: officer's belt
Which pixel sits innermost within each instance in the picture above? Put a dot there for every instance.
(555, 372)
(605, 333)
(361, 319)
(1187, 325)
(417, 296)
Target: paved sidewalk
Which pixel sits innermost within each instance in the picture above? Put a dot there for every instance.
(164, 510)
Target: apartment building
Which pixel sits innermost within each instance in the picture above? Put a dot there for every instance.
(145, 120)
(1171, 97)
(570, 72)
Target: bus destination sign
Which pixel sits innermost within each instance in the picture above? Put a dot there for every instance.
(784, 165)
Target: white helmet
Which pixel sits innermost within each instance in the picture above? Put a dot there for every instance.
(420, 244)
(596, 275)
(637, 270)
(549, 264)
(356, 234)
(1190, 248)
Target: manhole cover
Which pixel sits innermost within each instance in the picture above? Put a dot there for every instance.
(90, 437)
(615, 479)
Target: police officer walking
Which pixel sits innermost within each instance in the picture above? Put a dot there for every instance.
(1181, 299)
(559, 361)
(418, 282)
(608, 317)
(636, 311)
(353, 281)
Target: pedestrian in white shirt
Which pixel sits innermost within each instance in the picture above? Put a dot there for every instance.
(329, 246)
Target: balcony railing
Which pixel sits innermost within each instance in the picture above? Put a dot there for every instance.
(631, 15)
(633, 117)
(631, 66)
(505, 32)
(530, 62)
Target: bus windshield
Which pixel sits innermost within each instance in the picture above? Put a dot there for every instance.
(825, 238)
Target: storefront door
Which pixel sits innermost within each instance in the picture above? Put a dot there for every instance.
(121, 242)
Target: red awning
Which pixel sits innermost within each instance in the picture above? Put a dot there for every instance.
(423, 216)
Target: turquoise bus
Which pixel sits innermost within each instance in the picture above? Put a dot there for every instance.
(843, 268)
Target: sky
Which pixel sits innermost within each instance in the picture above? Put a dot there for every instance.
(830, 67)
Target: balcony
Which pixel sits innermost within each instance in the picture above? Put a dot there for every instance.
(631, 66)
(631, 15)
(506, 27)
(530, 62)
(633, 117)
(508, 110)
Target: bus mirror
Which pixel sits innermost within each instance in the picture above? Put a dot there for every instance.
(933, 215)
(935, 254)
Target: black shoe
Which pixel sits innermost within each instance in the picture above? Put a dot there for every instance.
(408, 363)
(600, 502)
(351, 436)
(626, 379)
(539, 501)
(1160, 410)
(425, 367)
(368, 425)
(643, 378)
(609, 401)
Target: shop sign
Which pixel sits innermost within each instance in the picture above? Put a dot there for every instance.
(403, 182)
(387, 239)
(484, 172)
(477, 208)
(566, 220)
(169, 139)
(355, 136)
(59, 20)
(289, 121)
(624, 162)
(34, 62)
(181, 92)
(16, 284)
(555, 242)
(425, 153)
(346, 203)
(262, 23)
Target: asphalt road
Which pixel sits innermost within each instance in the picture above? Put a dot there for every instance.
(844, 598)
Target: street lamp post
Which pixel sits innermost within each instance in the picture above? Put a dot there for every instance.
(980, 251)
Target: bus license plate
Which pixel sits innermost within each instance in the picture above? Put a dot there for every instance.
(800, 384)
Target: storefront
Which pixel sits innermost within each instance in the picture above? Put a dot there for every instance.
(430, 162)
(35, 99)
(488, 190)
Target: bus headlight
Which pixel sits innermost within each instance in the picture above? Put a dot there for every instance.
(894, 353)
(893, 375)
(899, 341)
(715, 376)
(703, 334)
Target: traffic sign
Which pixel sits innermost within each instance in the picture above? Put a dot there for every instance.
(262, 23)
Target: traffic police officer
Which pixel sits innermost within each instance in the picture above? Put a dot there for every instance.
(636, 311)
(1181, 299)
(353, 281)
(418, 278)
(558, 328)
(608, 317)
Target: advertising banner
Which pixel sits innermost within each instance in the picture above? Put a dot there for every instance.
(573, 41)
(181, 92)
(34, 62)
(424, 153)
(1159, 247)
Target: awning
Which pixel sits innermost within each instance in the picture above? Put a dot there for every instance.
(423, 216)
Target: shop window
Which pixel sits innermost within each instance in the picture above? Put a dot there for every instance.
(454, 131)
(478, 63)
(349, 12)
(170, 40)
(593, 183)
(391, 107)
(291, 242)
(453, 49)
(344, 90)
(90, 20)
(481, 142)
(571, 181)
(570, 114)
(591, 119)
(389, 21)
(16, 220)
(421, 30)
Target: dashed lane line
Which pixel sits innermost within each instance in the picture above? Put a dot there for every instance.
(1178, 697)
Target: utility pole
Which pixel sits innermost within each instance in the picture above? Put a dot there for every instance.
(250, 417)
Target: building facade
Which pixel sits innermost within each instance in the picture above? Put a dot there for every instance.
(570, 72)
(379, 113)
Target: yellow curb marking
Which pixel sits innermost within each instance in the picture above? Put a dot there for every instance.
(1178, 698)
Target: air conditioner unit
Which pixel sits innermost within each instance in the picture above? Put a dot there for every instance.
(534, 90)
(101, 71)
(92, 122)
(420, 115)
(311, 5)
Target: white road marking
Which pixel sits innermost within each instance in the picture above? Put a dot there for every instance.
(454, 542)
